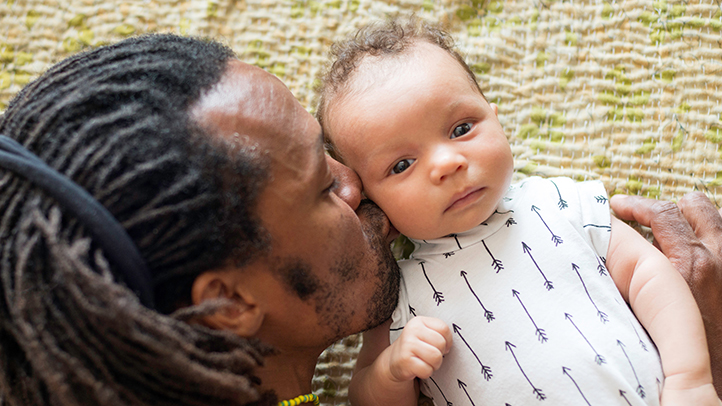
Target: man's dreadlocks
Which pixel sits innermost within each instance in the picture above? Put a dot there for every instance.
(115, 121)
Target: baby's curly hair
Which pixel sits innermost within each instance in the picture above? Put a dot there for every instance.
(379, 39)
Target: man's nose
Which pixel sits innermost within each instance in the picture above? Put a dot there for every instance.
(445, 162)
(349, 184)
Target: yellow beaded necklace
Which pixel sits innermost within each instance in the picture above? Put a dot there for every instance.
(301, 399)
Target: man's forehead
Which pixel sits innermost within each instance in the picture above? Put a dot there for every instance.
(247, 101)
(300, 156)
(251, 105)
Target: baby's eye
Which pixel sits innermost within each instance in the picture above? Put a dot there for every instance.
(402, 165)
(461, 129)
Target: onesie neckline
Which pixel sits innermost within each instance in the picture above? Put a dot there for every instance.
(454, 242)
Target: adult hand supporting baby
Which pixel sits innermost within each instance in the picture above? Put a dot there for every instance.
(689, 233)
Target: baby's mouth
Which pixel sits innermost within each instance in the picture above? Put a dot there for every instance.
(465, 198)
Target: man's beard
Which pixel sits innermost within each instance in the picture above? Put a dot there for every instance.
(330, 307)
(386, 297)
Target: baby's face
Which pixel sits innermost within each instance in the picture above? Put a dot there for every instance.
(428, 147)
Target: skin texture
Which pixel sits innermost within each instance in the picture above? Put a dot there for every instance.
(689, 233)
(420, 160)
(330, 272)
(459, 160)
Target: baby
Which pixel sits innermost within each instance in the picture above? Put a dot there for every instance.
(532, 282)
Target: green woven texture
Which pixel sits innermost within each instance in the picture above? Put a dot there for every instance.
(627, 92)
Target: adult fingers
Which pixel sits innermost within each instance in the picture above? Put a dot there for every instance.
(705, 270)
(672, 232)
(703, 218)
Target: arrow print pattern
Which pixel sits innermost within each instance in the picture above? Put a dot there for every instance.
(602, 316)
(485, 370)
(527, 250)
(600, 267)
(462, 385)
(555, 238)
(623, 394)
(597, 357)
(540, 334)
(487, 314)
(565, 371)
(438, 296)
(510, 221)
(639, 338)
(561, 203)
(495, 263)
(640, 388)
(537, 392)
(448, 403)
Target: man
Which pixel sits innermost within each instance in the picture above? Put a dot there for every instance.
(336, 287)
(218, 178)
(690, 235)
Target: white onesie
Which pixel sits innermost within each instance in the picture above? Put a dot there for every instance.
(535, 316)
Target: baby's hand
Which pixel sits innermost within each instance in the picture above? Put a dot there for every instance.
(419, 351)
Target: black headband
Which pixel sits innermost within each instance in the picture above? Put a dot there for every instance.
(105, 229)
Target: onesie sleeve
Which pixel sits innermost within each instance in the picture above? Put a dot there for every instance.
(588, 211)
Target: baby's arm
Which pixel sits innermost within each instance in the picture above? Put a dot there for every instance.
(663, 303)
(385, 374)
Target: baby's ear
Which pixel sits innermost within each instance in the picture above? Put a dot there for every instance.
(495, 108)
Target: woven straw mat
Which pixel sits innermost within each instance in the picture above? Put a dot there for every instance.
(627, 92)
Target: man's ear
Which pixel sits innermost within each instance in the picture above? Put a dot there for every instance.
(243, 316)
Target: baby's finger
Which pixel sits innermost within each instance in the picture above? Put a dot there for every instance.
(409, 367)
(414, 336)
(430, 354)
(444, 333)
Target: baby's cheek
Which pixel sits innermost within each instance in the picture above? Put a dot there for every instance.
(410, 209)
(417, 224)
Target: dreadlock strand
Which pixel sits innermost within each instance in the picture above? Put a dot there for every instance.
(132, 112)
(172, 192)
(95, 148)
(162, 211)
(26, 242)
(173, 255)
(9, 201)
(145, 168)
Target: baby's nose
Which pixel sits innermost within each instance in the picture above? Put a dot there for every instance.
(446, 162)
